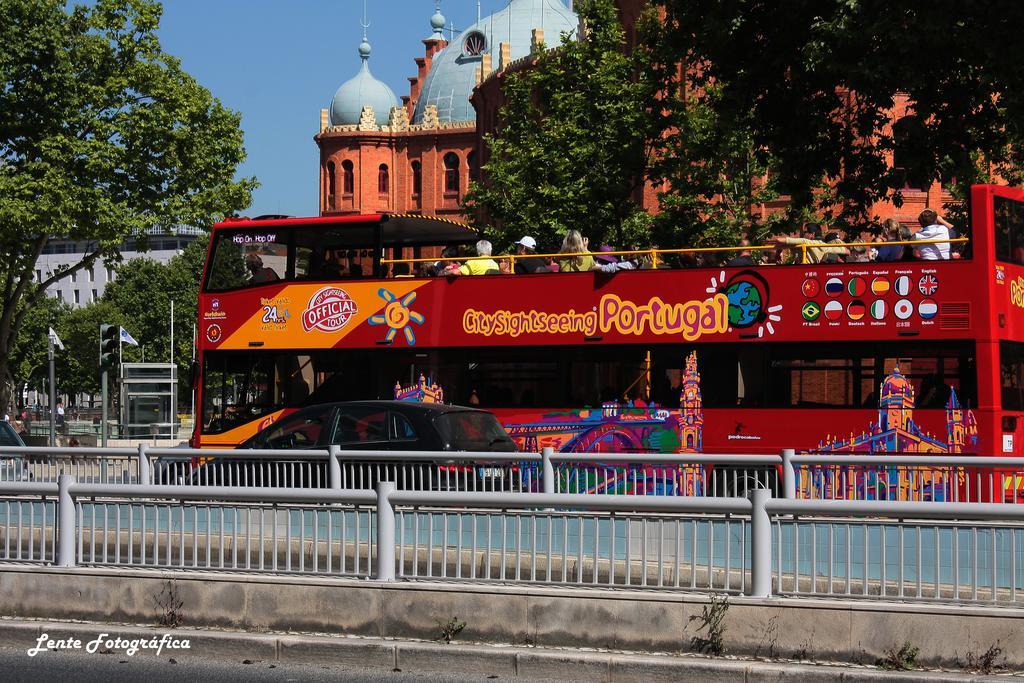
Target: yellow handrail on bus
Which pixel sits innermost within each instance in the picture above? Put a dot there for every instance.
(654, 253)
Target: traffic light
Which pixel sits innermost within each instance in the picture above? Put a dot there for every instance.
(108, 346)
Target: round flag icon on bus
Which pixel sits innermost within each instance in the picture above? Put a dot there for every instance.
(903, 285)
(856, 309)
(856, 286)
(811, 310)
(928, 285)
(811, 287)
(927, 309)
(903, 309)
(833, 310)
(833, 287)
(880, 286)
(878, 309)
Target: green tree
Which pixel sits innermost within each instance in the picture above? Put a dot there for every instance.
(574, 138)
(711, 170)
(142, 295)
(815, 83)
(77, 365)
(28, 352)
(102, 136)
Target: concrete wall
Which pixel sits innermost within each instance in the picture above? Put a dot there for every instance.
(651, 621)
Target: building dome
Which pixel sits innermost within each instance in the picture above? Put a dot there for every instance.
(361, 91)
(452, 75)
(897, 385)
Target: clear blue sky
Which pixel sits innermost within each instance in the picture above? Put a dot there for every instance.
(279, 63)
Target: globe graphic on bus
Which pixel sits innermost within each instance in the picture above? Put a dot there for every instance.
(744, 303)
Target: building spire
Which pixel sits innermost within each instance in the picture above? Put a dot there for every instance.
(437, 22)
(364, 47)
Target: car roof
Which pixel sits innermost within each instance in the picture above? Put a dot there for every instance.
(406, 406)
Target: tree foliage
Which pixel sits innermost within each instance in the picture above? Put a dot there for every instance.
(710, 170)
(142, 295)
(573, 140)
(815, 83)
(102, 136)
(28, 351)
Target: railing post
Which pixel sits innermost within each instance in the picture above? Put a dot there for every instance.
(547, 470)
(385, 532)
(788, 474)
(333, 466)
(65, 522)
(760, 545)
(144, 477)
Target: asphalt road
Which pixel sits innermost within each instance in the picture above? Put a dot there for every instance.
(77, 667)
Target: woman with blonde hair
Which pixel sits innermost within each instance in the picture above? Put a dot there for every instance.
(575, 243)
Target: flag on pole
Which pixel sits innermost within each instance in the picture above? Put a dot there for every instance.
(56, 340)
(127, 338)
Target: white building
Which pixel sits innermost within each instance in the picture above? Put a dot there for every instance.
(87, 285)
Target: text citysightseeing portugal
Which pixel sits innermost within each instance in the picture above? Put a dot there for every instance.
(689, 319)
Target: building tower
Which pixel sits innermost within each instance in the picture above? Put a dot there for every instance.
(961, 429)
(896, 403)
(691, 417)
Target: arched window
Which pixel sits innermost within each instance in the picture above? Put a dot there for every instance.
(330, 184)
(474, 168)
(348, 181)
(382, 179)
(417, 178)
(451, 172)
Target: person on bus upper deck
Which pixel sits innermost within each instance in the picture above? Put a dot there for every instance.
(743, 258)
(484, 265)
(258, 272)
(860, 253)
(888, 253)
(811, 236)
(526, 248)
(933, 227)
(606, 262)
(575, 243)
(839, 253)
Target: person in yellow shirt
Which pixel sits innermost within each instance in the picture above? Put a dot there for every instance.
(483, 265)
(575, 243)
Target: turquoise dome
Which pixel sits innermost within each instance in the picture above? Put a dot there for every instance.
(452, 74)
(363, 90)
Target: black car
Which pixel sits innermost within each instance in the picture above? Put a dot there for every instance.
(363, 425)
(12, 467)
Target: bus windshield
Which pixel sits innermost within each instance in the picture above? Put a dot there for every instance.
(252, 253)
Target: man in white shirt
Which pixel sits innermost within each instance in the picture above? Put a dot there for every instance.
(933, 227)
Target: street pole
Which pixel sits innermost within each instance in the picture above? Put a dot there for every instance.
(103, 410)
(53, 392)
(174, 394)
(191, 374)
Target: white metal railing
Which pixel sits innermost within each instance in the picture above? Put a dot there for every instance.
(758, 545)
(915, 478)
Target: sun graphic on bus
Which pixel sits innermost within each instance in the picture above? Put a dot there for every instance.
(747, 292)
(397, 316)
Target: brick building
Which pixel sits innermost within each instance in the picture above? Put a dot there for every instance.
(418, 154)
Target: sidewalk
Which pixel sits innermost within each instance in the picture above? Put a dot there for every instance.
(410, 656)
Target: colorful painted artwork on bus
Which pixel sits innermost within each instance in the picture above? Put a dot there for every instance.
(894, 432)
(618, 428)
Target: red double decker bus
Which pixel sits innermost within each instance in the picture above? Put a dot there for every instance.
(902, 357)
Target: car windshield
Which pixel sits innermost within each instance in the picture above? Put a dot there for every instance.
(8, 437)
(473, 431)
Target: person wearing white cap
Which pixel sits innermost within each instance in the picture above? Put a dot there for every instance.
(528, 263)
